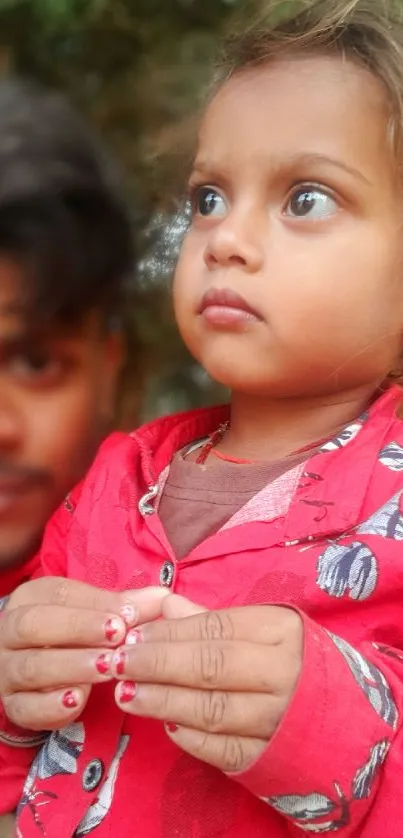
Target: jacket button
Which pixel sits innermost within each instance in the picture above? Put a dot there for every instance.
(93, 775)
(167, 574)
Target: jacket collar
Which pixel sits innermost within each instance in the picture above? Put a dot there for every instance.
(159, 440)
(331, 494)
(325, 502)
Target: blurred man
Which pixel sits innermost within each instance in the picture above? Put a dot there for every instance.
(65, 251)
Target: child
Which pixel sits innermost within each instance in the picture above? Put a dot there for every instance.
(279, 708)
(65, 251)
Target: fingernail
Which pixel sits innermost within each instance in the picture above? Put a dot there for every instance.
(133, 637)
(129, 614)
(127, 692)
(112, 628)
(103, 663)
(119, 662)
(69, 700)
(171, 727)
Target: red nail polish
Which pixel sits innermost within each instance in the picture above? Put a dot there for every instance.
(69, 700)
(134, 637)
(103, 664)
(129, 614)
(112, 627)
(119, 660)
(127, 692)
(171, 727)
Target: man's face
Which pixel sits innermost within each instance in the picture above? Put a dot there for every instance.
(56, 398)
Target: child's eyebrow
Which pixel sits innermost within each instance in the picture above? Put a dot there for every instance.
(206, 167)
(314, 158)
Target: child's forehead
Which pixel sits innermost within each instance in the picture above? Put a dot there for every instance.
(308, 104)
(312, 72)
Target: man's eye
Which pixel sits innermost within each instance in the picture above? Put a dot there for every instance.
(206, 201)
(36, 365)
(312, 203)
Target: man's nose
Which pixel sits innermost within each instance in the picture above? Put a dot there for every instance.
(10, 424)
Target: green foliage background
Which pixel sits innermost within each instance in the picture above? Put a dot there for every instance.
(137, 69)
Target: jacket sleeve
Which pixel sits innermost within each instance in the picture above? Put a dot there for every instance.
(18, 747)
(335, 763)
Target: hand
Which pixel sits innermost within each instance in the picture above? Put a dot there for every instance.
(221, 680)
(56, 639)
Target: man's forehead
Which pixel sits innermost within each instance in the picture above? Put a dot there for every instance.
(16, 310)
(18, 313)
(17, 319)
(13, 306)
(13, 316)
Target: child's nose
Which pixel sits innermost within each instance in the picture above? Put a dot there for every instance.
(233, 244)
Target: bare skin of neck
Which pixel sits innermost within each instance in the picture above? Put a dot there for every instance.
(265, 429)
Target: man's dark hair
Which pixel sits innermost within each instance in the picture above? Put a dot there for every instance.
(62, 217)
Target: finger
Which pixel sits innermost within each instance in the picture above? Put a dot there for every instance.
(241, 667)
(46, 711)
(134, 605)
(253, 715)
(69, 593)
(51, 625)
(175, 607)
(259, 624)
(228, 753)
(39, 669)
(48, 625)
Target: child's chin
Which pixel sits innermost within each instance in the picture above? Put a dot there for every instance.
(236, 375)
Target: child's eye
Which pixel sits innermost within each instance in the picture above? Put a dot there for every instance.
(206, 201)
(312, 203)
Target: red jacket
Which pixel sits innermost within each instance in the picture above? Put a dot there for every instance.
(11, 578)
(325, 538)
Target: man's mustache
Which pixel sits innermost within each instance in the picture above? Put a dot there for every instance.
(22, 474)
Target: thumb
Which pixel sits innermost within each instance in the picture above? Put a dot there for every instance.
(147, 603)
(175, 607)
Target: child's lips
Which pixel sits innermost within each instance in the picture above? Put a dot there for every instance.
(226, 308)
(226, 316)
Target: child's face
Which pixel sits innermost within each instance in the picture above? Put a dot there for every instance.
(296, 209)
